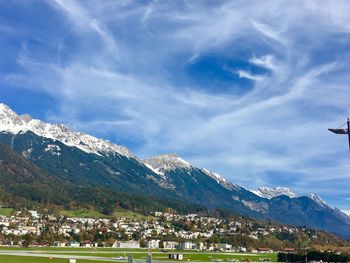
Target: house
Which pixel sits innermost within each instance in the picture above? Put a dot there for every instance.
(224, 247)
(59, 244)
(200, 246)
(186, 245)
(243, 249)
(265, 250)
(289, 250)
(87, 243)
(34, 214)
(153, 244)
(74, 244)
(170, 244)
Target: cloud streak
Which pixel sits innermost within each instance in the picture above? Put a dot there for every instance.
(268, 84)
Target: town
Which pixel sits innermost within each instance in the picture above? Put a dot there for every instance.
(168, 231)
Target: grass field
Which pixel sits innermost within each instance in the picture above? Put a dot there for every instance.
(20, 259)
(199, 257)
(130, 214)
(75, 249)
(95, 214)
(188, 256)
(82, 213)
(140, 254)
(5, 211)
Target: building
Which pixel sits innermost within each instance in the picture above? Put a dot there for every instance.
(200, 246)
(126, 244)
(186, 245)
(170, 244)
(74, 244)
(153, 244)
(265, 250)
(289, 250)
(224, 247)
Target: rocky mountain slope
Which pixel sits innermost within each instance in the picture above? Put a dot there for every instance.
(24, 184)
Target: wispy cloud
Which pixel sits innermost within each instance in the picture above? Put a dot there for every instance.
(267, 31)
(248, 75)
(127, 71)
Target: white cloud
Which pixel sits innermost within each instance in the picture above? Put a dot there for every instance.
(267, 31)
(248, 75)
(83, 21)
(267, 61)
(278, 124)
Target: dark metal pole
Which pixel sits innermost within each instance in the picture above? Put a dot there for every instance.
(348, 122)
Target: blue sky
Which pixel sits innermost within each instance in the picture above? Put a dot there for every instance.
(244, 88)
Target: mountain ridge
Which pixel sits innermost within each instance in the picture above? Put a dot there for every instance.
(13, 123)
(88, 161)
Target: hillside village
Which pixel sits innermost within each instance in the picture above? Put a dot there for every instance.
(166, 231)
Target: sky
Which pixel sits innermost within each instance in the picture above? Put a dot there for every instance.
(244, 88)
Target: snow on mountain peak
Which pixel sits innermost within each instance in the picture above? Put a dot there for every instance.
(269, 193)
(167, 162)
(318, 200)
(11, 122)
(219, 179)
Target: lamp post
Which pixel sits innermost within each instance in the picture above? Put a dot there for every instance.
(305, 249)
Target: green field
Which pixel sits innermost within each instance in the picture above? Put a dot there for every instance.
(5, 211)
(188, 256)
(82, 213)
(130, 214)
(140, 254)
(75, 249)
(199, 257)
(20, 259)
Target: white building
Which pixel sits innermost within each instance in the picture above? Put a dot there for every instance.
(126, 244)
(170, 244)
(186, 245)
(153, 244)
(74, 244)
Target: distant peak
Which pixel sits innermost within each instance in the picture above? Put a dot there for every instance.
(167, 162)
(4, 106)
(269, 193)
(167, 155)
(4, 109)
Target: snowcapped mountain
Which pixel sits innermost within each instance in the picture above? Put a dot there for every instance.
(76, 157)
(269, 193)
(12, 123)
(163, 164)
(166, 162)
(84, 160)
(196, 184)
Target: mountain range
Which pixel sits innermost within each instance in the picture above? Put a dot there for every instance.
(66, 160)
